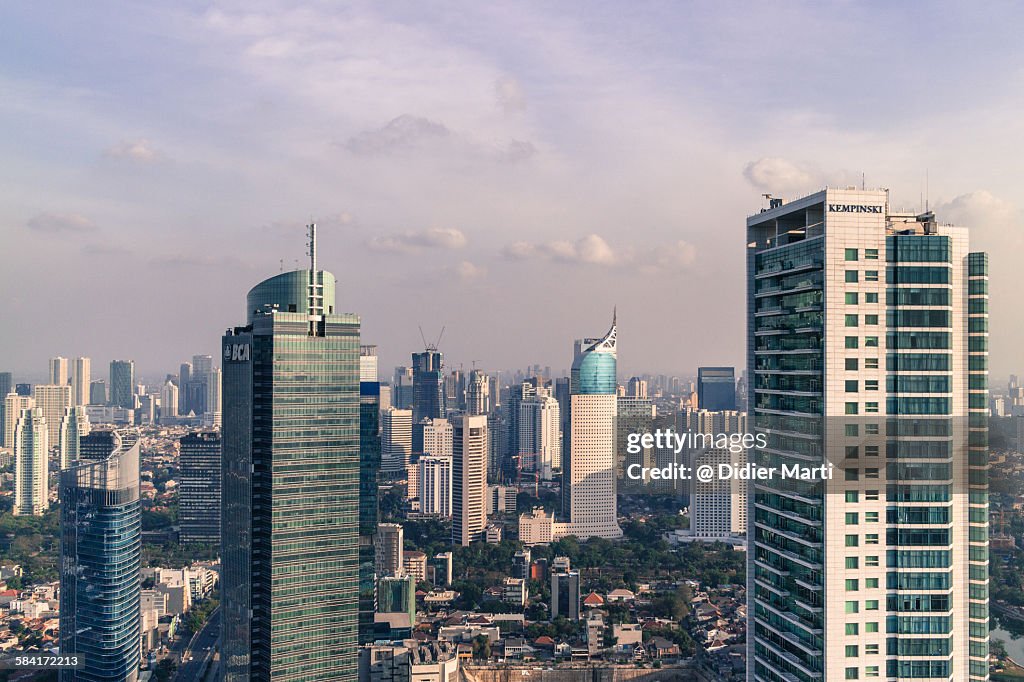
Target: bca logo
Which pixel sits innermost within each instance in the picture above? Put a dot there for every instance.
(236, 352)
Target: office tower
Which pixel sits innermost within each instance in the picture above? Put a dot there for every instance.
(540, 434)
(81, 375)
(202, 365)
(13, 405)
(184, 376)
(867, 348)
(212, 416)
(388, 549)
(402, 388)
(439, 569)
(718, 507)
(368, 363)
(634, 415)
(565, 595)
(98, 392)
(396, 594)
(101, 534)
(169, 400)
(478, 398)
(290, 496)
(469, 479)
(59, 371)
(518, 392)
(6, 386)
(122, 383)
(565, 411)
(199, 488)
(435, 485)
(73, 426)
(53, 400)
(521, 564)
(23, 389)
(455, 390)
(636, 388)
(31, 445)
(588, 479)
(395, 440)
(437, 438)
(385, 396)
(369, 465)
(428, 385)
(716, 388)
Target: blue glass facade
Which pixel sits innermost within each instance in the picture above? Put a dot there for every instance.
(593, 373)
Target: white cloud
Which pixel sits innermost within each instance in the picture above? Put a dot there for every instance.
(431, 238)
(468, 271)
(509, 92)
(400, 134)
(60, 223)
(135, 150)
(595, 250)
(979, 209)
(774, 174)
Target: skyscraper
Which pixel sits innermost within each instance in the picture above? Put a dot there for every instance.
(14, 403)
(101, 534)
(6, 386)
(396, 440)
(53, 400)
(368, 363)
(435, 485)
(469, 478)
(122, 383)
(565, 595)
(716, 388)
(98, 392)
(168, 400)
(867, 349)
(540, 434)
(478, 399)
(199, 488)
(212, 416)
(437, 438)
(588, 478)
(388, 549)
(428, 385)
(59, 371)
(81, 375)
(291, 481)
(73, 426)
(369, 466)
(31, 445)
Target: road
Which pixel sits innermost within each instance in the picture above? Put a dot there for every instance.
(200, 649)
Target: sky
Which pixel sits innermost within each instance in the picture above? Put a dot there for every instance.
(507, 171)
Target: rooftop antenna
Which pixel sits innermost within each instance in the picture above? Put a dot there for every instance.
(282, 265)
(926, 190)
(615, 314)
(315, 302)
(862, 181)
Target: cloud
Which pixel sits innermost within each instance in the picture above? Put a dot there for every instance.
(431, 238)
(592, 249)
(517, 150)
(774, 174)
(97, 249)
(979, 209)
(60, 223)
(510, 95)
(404, 133)
(140, 150)
(681, 254)
(467, 271)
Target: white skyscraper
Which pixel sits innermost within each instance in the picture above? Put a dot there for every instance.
(213, 398)
(388, 550)
(478, 394)
(368, 363)
(168, 400)
(53, 400)
(540, 434)
(437, 438)
(81, 378)
(435, 485)
(13, 405)
(469, 479)
(396, 439)
(589, 476)
(59, 371)
(73, 425)
(718, 507)
(867, 350)
(31, 445)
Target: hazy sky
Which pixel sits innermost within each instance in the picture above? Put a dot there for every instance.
(511, 172)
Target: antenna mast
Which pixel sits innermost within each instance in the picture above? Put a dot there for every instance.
(315, 303)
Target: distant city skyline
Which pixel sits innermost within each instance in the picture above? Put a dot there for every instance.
(480, 167)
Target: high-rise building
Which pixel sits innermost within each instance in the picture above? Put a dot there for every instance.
(14, 403)
(184, 376)
(101, 545)
(636, 388)
(469, 479)
(23, 389)
(368, 363)
(478, 397)
(59, 371)
(455, 390)
(395, 440)
(716, 388)
(53, 400)
(634, 415)
(199, 488)
(212, 416)
(388, 549)
(589, 476)
(517, 393)
(81, 376)
(439, 569)
(6, 386)
(31, 445)
(435, 485)
(565, 411)
(540, 434)
(202, 365)
(369, 466)
(428, 385)
(402, 395)
(437, 438)
(122, 383)
(718, 507)
(867, 349)
(565, 595)
(291, 475)
(73, 426)
(168, 400)
(98, 392)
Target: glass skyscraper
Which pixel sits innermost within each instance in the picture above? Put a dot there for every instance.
(369, 465)
(716, 388)
(291, 484)
(199, 488)
(100, 554)
(122, 383)
(867, 351)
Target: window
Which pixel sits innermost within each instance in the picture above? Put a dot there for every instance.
(871, 319)
(871, 297)
(852, 584)
(851, 298)
(871, 429)
(851, 276)
(871, 451)
(851, 254)
(871, 408)
(871, 517)
(871, 473)
(851, 495)
(871, 342)
(871, 539)
(851, 674)
(871, 254)
(871, 275)
(871, 671)
(851, 408)
(870, 648)
(852, 607)
(852, 562)
(852, 474)
(871, 561)
(871, 605)
(852, 629)
(851, 342)
(870, 583)
(871, 627)
(851, 518)
(851, 364)
(851, 320)
(852, 540)
(871, 385)
(852, 651)
(870, 363)
(871, 495)
(851, 386)
(852, 452)
(852, 430)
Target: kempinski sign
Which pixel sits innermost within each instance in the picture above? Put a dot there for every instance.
(853, 208)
